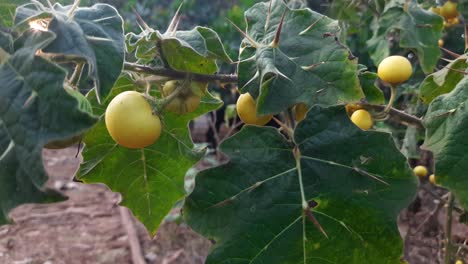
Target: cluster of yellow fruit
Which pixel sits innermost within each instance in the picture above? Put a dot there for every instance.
(449, 12)
(421, 171)
(131, 120)
(392, 70)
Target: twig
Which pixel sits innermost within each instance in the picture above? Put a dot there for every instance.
(224, 78)
(405, 118)
(448, 229)
(135, 247)
(76, 76)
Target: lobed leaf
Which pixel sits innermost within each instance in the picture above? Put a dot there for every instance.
(307, 65)
(446, 122)
(151, 180)
(34, 110)
(355, 183)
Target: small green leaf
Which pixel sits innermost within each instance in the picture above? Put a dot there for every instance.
(443, 81)
(308, 65)
(151, 180)
(373, 93)
(194, 51)
(447, 122)
(354, 182)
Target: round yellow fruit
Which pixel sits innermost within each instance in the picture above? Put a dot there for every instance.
(449, 10)
(186, 101)
(420, 171)
(459, 262)
(131, 121)
(247, 111)
(441, 42)
(432, 179)
(453, 21)
(362, 119)
(395, 70)
(300, 112)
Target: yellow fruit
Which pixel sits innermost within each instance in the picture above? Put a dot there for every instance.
(432, 179)
(362, 119)
(459, 262)
(449, 10)
(186, 101)
(247, 111)
(420, 171)
(300, 111)
(131, 121)
(453, 21)
(441, 42)
(395, 69)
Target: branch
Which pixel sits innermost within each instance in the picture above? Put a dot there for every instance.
(224, 78)
(401, 116)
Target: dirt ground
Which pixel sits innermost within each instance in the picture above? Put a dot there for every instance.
(91, 228)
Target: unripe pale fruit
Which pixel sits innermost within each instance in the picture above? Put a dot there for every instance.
(247, 111)
(186, 101)
(449, 10)
(420, 171)
(432, 179)
(131, 121)
(362, 119)
(300, 111)
(441, 42)
(395, 70)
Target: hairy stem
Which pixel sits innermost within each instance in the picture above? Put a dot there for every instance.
(223, 78)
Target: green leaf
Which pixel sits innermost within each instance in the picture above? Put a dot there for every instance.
(194, 51)
(308, 66)
(447, 122)
(355, 184)
(189, 51)
(93, 33)
(443, 81)
(373, 93)
(34, 109)
(7, 11)
(151, 180)
(419, 30)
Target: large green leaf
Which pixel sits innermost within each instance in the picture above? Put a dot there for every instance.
(447, 123)
(354, 182)
(34, 110)
(443, 81)
(93, 33)
(419, 30)
(151, 180)
(308, 65)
